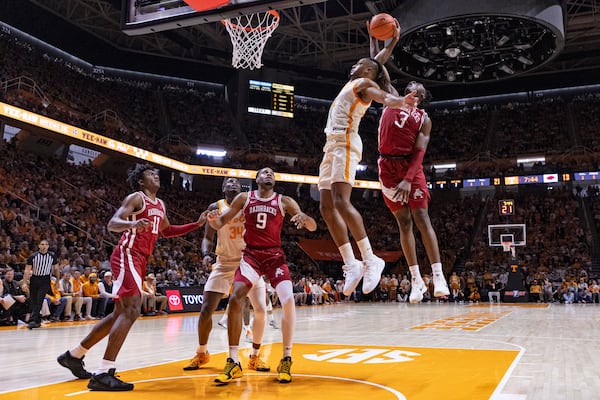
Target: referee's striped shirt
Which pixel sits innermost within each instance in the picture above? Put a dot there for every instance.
(42, 263)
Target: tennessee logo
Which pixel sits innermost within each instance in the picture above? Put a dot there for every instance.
(418, 194)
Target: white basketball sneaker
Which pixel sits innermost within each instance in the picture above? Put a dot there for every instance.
(373, 268)
(416, 292)
(440, 287)
(353, 274)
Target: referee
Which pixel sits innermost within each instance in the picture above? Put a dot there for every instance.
(42, 262)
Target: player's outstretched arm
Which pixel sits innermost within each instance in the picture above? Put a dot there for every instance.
(120, 222)
(216, 219)
(372, 92)
(300, 219)
(168, 230)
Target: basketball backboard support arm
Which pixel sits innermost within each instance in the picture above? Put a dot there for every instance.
(140, 18)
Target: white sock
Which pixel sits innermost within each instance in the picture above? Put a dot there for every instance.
(78, 351)
(255, 352)
(415, 273)
(201, 349)
(233, 353)
(366, 251)
(105, 365)
(436, 268)
(287, 351)
(347, 253)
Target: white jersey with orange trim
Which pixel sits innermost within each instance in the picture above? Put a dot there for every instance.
(230, 237)
(345, 114)
(343, 148)
(230, 243)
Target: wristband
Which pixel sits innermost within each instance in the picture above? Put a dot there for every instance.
(416, 162)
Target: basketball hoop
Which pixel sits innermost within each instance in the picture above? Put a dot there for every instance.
(509, 247)
(249, 34)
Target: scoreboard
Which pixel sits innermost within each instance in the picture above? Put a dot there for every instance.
(270, 98)
(506, 207)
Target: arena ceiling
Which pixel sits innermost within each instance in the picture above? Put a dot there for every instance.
(318, 43)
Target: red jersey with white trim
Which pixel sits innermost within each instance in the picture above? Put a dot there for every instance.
(398, 130)
(143, 242)
(263, 221)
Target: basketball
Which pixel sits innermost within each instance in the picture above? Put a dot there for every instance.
(382, 26)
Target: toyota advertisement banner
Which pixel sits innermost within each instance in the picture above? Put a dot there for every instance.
(184, 299)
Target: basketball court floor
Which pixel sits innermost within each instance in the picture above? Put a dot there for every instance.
(345, 351)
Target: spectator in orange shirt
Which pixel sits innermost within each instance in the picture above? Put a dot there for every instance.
(55, 301)
(91, 289)
(79, 300)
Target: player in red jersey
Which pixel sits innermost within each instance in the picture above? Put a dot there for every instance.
(264, 212)
(141, 217)
(403, 138)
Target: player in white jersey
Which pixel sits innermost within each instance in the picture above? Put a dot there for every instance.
(343, 152)
(230, 243)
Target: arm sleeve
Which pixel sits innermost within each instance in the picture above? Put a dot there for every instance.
(416, 162)
(179, 230)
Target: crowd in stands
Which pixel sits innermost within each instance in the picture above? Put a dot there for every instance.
(70, 205)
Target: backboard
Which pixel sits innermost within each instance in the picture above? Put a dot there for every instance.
(515, 233)
(141, 17)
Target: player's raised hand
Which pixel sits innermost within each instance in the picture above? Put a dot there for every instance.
(213, 218)
(402, 192)
(397, 31)
(202, 219)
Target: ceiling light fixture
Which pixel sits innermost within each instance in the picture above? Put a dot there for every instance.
(430, 71)
(467, 45)
(453, 51)
(478, 48)
(502, 40)
(477, 70)
(525, 60)
(420, 58)
(506, 68)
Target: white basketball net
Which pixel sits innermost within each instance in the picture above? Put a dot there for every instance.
(509, 247)
(249, 34)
